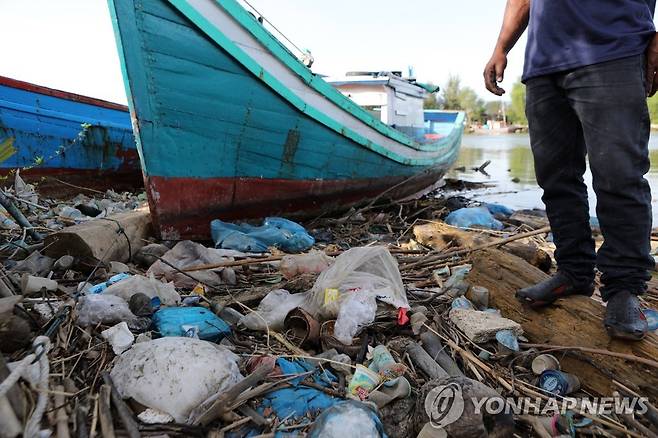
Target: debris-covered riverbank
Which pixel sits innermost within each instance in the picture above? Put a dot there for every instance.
(386, 321)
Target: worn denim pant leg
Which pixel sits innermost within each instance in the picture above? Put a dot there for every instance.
(599, 111)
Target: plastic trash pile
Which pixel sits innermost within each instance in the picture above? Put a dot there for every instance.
(353, 328)
(345, 295)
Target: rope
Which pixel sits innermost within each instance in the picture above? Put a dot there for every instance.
(275, 28)
(40, 348)
(16, 374)
(120, 230)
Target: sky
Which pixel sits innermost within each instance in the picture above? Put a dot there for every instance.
(69, 44)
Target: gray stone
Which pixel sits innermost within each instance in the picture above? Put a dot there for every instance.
(482, 326)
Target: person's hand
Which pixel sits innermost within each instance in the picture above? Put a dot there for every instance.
(652, 67)
(494, 72)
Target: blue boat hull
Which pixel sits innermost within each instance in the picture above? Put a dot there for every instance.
(56, 135)
(217, 141)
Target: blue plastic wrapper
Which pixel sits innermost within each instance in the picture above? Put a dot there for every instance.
(652, 319)
(169, 321)
(98, 288)
(275, 231)
(499, 209)
(345, 419)
(299, 400)
(508, 339)
(461, 303)
(474, 217)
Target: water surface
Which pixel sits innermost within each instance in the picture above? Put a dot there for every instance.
(511, 160)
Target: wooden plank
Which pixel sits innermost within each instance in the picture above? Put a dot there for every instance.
(574, 321)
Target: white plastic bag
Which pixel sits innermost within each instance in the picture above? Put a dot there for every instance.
(148, 286)
(272, 310)
(175, 375)
(365, 270)
(356, 311)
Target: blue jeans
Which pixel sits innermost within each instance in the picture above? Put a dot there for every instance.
(600, 112)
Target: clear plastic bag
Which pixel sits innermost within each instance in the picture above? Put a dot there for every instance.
(364, 274)
(148, 286)
(364, 270)
(348, 419)
(102, 309)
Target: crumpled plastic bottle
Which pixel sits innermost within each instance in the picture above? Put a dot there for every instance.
(348, 419)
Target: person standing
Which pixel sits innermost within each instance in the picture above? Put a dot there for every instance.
(589, 67)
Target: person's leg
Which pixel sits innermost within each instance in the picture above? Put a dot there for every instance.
(610, 101)
(558, 147)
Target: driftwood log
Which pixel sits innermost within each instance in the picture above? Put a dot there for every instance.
(571, 322)
(443, 238)
(531, 253)
(115, 238)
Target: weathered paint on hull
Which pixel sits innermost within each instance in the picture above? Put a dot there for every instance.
(240, 198)
(41, 133)
(62, 183)
(224, 136)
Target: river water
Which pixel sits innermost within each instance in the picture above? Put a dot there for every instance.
(511, 159)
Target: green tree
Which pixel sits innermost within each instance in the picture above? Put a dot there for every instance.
(451, 92)
(432, 100)
(493, 110)
(472, 105)
(516, 111)
(456, 97)
(652, 102)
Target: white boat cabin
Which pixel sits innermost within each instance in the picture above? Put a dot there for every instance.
(396, 101)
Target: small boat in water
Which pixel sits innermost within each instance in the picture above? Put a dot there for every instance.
(231, 124)
(52, 135)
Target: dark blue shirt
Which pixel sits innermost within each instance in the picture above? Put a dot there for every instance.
(566, 34)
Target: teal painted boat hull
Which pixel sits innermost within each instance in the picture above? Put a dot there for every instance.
(222, 136)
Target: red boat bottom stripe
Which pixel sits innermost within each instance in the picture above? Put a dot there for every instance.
(182, 208)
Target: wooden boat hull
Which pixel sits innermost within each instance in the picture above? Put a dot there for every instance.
(230, 125)
(238, 198)
(42, 134)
